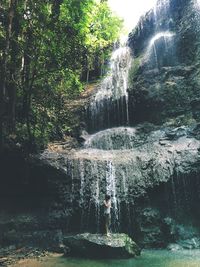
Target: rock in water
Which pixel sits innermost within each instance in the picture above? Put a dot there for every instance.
(100, 246)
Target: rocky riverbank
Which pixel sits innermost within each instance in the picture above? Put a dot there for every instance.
(85, 245)
(13, 255)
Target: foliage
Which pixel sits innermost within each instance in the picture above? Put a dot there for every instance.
(48, 49)
(135, 68)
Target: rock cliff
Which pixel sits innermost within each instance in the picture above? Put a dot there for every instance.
(164, 81)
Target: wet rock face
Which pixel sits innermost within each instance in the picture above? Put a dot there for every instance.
(160, 95)
(99, 246)
(109, 105)
(168, 15)
(164, 80)
(146, 183)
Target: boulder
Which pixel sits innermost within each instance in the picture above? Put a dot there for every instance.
(101, 246)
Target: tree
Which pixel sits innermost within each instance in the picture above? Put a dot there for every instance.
(46, 49)
(104, 31)
(7, 89)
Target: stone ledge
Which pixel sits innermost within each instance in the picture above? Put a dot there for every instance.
(101, 246)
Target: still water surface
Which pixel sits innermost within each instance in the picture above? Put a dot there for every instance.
(149, 258)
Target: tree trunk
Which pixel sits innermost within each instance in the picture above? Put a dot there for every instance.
(102, 65)
(88, 75)
(1, 112)
(4, 69)
(14, 66)
(55, 10)
(28, 78)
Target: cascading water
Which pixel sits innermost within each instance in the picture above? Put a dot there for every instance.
(114, 138)
(158, 46)
(161, 9)
(108, 157)
(161, 50)
(110, 104)
(117, 159)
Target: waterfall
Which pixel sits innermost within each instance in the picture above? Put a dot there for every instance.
(160, 47)
(82, 190)
(105, 166)
(111, 190)
(114, 138)
(109, 105)
(121, 160)
(161, 9)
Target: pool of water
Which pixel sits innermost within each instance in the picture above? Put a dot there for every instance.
(149, 258)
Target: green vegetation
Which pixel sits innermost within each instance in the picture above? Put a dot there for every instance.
(135, 68)
(48, 50)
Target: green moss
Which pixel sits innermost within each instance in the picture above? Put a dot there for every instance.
(135, 68)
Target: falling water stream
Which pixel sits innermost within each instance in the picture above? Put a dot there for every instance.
(110, 161)
(99, 173)
(110, 104)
